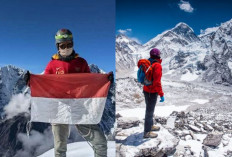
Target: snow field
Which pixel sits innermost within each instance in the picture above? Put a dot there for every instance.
(82, 149)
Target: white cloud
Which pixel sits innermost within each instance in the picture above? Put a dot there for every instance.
(185, 6)
(19, 103)
(124, 31)
(208, 31)
(136, 39)
(36, 144)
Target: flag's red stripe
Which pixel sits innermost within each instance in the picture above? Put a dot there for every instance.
(81, 85)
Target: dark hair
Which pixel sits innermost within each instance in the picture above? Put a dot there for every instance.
(155, 57)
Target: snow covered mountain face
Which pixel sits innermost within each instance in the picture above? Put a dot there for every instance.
(181, 49)
(126, 56)
(13, 130)
(9, 75)
(12, 83)
(108, 117)
(219, 61)
(187, 56)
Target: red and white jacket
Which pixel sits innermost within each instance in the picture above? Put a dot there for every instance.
(77, 65)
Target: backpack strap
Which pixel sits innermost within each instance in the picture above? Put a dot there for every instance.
(148, 68)
(153, 61)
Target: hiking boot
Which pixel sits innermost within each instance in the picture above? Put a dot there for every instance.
(150, 135)
(155, 128)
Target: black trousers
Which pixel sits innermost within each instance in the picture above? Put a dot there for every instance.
(150, 100)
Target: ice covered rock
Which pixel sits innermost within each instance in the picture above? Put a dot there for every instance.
(127, 122)
(199, 125)
(161, 120)
(136, 145)
(188, 137)
(118, 115)
(208, 127)
(194, 128)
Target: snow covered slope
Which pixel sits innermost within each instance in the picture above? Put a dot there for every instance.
(9, 75)
(82, 149)
(126, 53)
(219, 61)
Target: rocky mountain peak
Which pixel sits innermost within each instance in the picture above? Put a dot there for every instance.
(95, 69)
(183, 30)
(181, 34)
(9, 75)
(183, 26)
(124, 39)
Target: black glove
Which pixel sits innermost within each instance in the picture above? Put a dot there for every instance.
(111, 77)
(27, 77)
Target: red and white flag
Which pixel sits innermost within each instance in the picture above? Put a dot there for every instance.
(69, 98)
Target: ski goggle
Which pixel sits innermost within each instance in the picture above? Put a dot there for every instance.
(63, 46)
(66, 36)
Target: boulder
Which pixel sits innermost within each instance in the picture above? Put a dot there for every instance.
(213, 139)
(161, 120)
(136, 146)
(194, 128)
(199, 125)
(118, 115)
(188, 137)
(127, 122)
(208, 127)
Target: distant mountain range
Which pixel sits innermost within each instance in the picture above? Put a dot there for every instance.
(186, 56)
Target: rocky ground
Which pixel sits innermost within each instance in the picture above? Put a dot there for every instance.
(181, 134)
(203, 129)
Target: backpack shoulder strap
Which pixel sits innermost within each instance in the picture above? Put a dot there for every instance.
(153, 61)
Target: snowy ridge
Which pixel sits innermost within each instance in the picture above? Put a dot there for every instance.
(154, 40)
(9, 75)
(217, 63)
(183, 25)
(208, 31)
(126, 53)
(183, 30)
(190, 57)
(82, 149)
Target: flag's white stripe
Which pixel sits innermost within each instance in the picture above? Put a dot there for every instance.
(67, 111)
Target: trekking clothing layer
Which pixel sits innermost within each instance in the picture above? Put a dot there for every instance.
(150, 100)
(57, 66)
(156, 86)
(92, 133)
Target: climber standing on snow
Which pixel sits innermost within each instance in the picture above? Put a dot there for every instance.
(151, 93)
(63, 62)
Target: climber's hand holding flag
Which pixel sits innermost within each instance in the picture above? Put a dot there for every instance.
(70, 98)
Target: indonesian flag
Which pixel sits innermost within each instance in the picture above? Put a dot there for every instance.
(69, 98)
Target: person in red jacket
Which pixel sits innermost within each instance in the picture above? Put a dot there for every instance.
(151, 93)
(63, 62)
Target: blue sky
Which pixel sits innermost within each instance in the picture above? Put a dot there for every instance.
(28, 29)
(144, 19)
